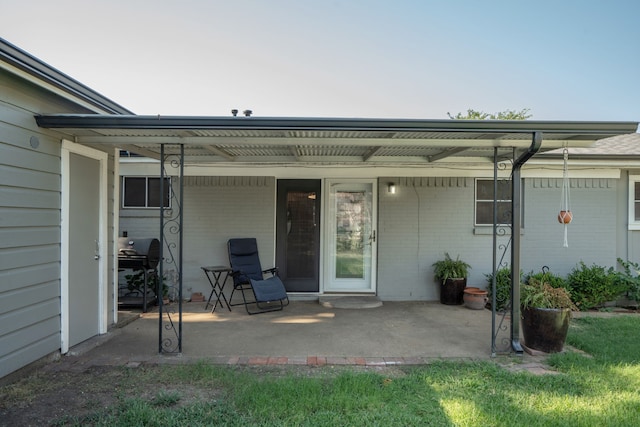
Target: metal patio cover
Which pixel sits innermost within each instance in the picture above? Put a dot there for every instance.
(331, 141)
(375, 142)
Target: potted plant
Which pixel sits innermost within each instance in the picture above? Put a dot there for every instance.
(452, 274)
(546, 312)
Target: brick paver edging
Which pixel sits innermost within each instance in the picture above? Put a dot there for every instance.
(320, 361)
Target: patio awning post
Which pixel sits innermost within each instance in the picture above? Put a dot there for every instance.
(171, 222)
(180, 243)
(161, 238)
(516, 209)
(494, 259)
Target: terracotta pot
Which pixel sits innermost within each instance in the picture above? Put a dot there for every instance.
(565, 217)
(452, 292)
(197, 297)
(475, 299)
(545, 329)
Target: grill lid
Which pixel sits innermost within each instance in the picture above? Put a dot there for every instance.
(135, 252)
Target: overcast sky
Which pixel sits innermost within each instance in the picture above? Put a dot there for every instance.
(562, 59)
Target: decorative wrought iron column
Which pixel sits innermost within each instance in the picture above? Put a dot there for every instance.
(502, 243)
(170, 265)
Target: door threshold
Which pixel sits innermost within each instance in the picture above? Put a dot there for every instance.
(350, 301)
(348, 293)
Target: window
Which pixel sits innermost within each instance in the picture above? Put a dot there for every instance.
(144, 192)
(634, 202)
(484, 202)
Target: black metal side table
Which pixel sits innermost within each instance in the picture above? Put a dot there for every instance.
(213, 273)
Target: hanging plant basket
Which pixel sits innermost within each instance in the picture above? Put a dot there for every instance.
(565, 217)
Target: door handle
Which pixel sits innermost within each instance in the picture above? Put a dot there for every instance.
(96, 255)
(372, 237)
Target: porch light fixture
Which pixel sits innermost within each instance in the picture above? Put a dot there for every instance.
(391, 188)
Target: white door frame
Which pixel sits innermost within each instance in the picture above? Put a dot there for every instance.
(325, 239)
(69, 147)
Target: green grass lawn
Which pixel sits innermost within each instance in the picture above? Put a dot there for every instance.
(600, 387)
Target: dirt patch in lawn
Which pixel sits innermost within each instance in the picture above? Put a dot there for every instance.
(43, 397)
(61, 394)
(72, 396)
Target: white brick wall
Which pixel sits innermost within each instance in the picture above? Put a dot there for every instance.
(215, 210)
(430, 216)
(591, 234)
(424, 219)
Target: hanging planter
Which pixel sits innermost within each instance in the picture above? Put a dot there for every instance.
(565, 217)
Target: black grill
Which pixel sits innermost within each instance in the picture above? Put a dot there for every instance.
(142, 255)
(138, 254)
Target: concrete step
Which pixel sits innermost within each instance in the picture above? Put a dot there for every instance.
(350, 301)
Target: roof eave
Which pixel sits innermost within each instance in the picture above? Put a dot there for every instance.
(31, 65)
(87, 121)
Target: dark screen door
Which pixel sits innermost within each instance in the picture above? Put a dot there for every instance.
(298, 234)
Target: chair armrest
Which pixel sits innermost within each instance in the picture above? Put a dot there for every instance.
(273, 271)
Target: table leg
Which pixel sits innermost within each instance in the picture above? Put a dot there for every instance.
(224, 282)
(217, 289)
(213, 287)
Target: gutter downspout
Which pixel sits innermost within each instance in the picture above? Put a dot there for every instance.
(516, 209)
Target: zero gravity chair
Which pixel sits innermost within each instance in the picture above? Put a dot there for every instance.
(248, 277)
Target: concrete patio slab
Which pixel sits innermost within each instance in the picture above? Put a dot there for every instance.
(306, 332)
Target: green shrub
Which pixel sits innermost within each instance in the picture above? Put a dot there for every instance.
(503, 287)
(592, 286)
(629, 279)
(550, 278)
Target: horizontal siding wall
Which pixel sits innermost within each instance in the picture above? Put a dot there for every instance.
(215, 210)
(29, 241)
(30, 223)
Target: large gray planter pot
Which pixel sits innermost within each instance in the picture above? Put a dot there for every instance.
(452, 292)
(545, 329)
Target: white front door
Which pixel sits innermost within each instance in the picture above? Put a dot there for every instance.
(350, 236)
(84, 246)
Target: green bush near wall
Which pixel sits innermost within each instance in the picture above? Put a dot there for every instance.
(629, 278)
(503, 287)
(592, 286)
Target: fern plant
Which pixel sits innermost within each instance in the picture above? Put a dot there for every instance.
(450, 268)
